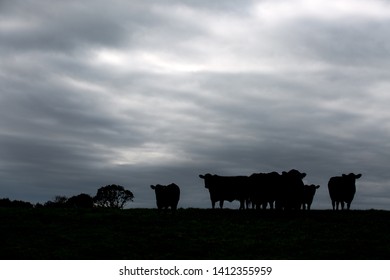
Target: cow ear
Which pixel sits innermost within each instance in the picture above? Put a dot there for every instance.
(153, 187)
(303, 175)
(318, 186)
(344, 175)
(358, 176)
(201, 176)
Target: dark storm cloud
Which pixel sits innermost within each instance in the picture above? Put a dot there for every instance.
(139, 93)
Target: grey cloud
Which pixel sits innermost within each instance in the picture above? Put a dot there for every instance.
(342, 43)
(47, 26)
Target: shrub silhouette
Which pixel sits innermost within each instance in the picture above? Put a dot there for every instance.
(7, 203)
(80, 201)
(113, 196)
(58, 202)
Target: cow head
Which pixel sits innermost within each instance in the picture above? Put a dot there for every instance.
(206, 179)
(296, 173)
(157, 187)
(352, 176)
(293, 173)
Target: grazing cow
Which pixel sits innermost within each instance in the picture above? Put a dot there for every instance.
(308, 195)
(263, 189)
(167, 196)
(290, 191)
(342, 190)
(228, 188)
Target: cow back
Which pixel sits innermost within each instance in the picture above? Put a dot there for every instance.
(263, 188)
(226, 187)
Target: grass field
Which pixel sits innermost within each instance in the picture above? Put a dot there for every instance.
(106, 234)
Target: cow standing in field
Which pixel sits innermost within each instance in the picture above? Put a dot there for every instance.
(290, 191)
(167, 196)
(308, 195)
(228, 188)
(263, 189)
(342, 190)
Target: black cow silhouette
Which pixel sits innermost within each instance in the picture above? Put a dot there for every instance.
(285, 190)
(167, 196)
(342, 190)
(227, 188)
(263, 189)
(308, 195)
(290, 191)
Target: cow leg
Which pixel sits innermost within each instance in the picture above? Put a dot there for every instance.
(342, 205)
(221, 204)
(242, 204)
(213, 204)
(348, 206)
(333, 205)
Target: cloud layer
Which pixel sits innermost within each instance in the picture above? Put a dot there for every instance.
(138, 93)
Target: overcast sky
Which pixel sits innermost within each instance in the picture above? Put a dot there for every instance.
(145, 92)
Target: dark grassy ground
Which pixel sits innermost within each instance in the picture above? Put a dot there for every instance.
(193, 234)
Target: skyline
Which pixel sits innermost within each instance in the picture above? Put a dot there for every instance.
(141, 93)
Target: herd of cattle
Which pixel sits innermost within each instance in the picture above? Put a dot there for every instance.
(283, 191)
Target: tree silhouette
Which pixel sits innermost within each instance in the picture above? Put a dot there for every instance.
(60, 199)
(7, 203)
(58, 202)
(80, 201)
(113, 196)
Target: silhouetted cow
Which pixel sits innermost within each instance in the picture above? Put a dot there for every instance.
(167, 196)
(308, 195)
(290, 191)
(228, 188)
(263, 189)
(342, 190)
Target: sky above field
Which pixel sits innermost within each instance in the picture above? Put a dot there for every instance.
(145, 92)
